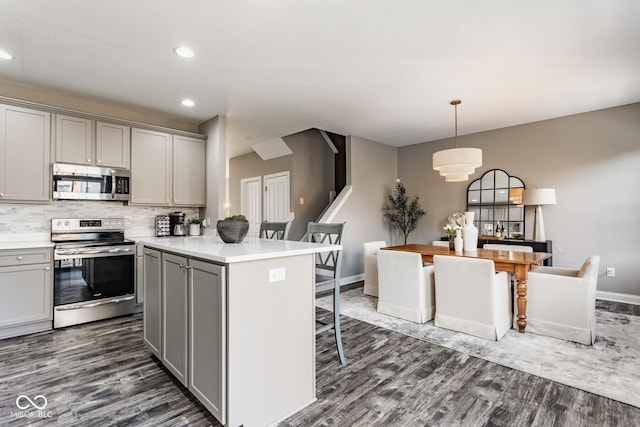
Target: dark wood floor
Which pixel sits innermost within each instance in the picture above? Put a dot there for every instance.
(100, 374)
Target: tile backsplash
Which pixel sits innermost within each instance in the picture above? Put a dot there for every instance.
(29, 222)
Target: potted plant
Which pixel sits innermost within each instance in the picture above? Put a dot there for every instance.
(402, 213)
(233, 229)
(194, 226)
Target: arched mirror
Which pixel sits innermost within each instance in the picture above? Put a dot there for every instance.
(496, 199)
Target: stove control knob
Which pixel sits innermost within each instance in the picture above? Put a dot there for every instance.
(59, 223)
(66, 223)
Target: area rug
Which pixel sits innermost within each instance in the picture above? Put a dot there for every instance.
(610, 368)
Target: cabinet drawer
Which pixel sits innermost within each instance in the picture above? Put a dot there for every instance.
(24, 256)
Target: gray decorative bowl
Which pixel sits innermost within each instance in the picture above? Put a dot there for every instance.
(232, 231)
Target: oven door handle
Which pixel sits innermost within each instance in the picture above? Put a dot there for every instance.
(86, 253)
(116, 250)
(95, 304)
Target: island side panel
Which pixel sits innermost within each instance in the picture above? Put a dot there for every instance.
(271, 339)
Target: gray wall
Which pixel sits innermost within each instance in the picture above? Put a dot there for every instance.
(371, 171)
(314, 168)
(311, 172)
(591, 159)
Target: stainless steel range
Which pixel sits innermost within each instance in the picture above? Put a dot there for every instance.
(94, 274)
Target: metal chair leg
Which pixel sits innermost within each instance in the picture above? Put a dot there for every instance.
(336, 323)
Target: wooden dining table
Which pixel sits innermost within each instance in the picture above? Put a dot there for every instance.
(518, 263)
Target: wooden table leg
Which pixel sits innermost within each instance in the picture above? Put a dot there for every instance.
(521, 289)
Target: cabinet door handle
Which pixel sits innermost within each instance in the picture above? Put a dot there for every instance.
(47, 268)
(88, 160)
(18, 258)
(1, 194)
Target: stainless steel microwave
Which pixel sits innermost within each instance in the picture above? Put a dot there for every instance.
(76, 182)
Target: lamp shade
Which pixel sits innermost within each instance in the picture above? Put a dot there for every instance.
(456, 164)
(457, 156)
(539, 196)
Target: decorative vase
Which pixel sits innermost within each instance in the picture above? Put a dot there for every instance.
(458, 242)
(194, 229)
(232, 231)
(451, 242)
(470, 233)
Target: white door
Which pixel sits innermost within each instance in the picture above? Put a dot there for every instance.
(276, 199)
(251, 201)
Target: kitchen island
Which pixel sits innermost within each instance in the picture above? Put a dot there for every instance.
(235, 323)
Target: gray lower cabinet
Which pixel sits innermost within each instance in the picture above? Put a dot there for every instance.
(207, 328)
(184, 323)
(174, 315)
(152, 279)
(26, 281)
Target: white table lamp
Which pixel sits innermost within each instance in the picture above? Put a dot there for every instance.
(538, 197)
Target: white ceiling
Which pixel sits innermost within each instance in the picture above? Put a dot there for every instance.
(379, 69)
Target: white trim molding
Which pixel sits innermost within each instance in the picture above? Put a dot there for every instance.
(344, 281)
(617, 297)
(334, 208)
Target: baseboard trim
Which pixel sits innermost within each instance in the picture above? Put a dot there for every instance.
(29, 328)
(618, 297)
(351, 279)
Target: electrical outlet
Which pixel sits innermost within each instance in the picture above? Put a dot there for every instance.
(277, 274)
(611, 272)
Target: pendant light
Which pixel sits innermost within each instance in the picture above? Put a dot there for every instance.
(456, 164)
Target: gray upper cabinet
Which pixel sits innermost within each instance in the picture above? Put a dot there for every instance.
(74, 140)
(25, 143)
(167, 170)
(188, 171)
(113, 145)
(151, 166)
(87, 142)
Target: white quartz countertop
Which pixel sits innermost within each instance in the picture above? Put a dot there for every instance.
(214, 249)
(25, 240)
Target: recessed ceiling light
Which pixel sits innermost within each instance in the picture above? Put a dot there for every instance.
(184, 52)
(188, 102)
(5, 55)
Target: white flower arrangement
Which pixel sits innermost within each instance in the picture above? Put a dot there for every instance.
(451, 230)
(455, 222)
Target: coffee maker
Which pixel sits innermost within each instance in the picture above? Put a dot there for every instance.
(176, 224)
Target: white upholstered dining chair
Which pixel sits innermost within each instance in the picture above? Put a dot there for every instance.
(471, 297)
(561, 302)
(405, 286)
(370, 253)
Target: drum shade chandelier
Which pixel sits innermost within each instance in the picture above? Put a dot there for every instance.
(456, 164)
